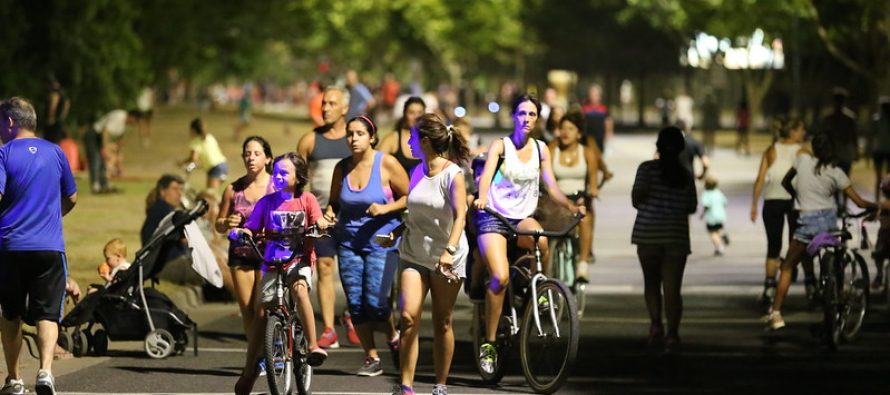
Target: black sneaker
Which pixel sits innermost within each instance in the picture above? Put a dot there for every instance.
(725, 238)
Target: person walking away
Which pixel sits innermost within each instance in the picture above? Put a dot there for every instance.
(713, 204)
(881, 149)
(743, 129)
(368, 193)
(664, 196)
(145, 104)
(57, 106)
(710, 122)
(105, 134)
(778, 207)
(323, 148)
(434, 248)
(36, 190)
(840, 126)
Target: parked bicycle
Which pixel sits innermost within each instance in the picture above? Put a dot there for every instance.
(843, 281)
(548, 330)
(285, 347)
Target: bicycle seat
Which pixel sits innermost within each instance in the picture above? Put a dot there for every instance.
(824, 239)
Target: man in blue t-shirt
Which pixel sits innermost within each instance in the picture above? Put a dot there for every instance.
(361, 101)
(36, 190)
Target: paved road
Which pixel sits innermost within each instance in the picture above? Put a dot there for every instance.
(724, 350)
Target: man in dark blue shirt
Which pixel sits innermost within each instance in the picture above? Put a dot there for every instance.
(36, 190)
(174, 255)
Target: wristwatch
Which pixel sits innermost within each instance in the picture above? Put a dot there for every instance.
(452, 249)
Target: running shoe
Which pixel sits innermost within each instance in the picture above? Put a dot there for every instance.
(440, 389)
(328, 339)
(402, 390)
(46, 383)
(13, 387)
(261, 367)
(350, 329)
(488, 357)
(774, 320)
(370, 368)
(725, 238)
(878, 282)
(317, 357)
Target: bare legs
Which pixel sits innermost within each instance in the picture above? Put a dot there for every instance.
(663, 278)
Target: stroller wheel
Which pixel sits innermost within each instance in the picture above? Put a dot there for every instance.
(159, 343)
(79, 344)
(100, 342)
(65, 340)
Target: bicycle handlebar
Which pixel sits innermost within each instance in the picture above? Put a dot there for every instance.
(863, 213)
(536, 232)
(311, 232)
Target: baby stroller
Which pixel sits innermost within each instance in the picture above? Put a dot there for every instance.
(126, 310)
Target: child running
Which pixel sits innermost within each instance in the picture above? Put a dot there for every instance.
(276, 213)
(714, 203)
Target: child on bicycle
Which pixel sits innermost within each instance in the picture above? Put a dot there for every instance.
(814, 181)
(289, 209)
(714, 213)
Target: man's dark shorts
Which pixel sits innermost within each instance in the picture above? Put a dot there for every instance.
(32, 285)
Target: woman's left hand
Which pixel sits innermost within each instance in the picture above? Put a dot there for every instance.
(376, 209)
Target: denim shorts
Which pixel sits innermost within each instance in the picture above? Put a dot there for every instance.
(220, 171)
(811, 223)
(487, 223)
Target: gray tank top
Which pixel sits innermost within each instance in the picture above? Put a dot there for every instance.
(322, 160)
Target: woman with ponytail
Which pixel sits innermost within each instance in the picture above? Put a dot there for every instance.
(433, 252)
(664, 196)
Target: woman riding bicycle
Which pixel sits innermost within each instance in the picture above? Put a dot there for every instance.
(368, 193)
(275, 214)
(512, 190)
(575, 167)
(814, 183)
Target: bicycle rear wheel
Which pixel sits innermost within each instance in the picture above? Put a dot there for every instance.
(548, 356)
(279, 365)
(562, 260)
(854, 295)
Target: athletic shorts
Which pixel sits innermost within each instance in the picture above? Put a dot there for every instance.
(714, 227)
(325, 247)
(220, 171)
(487, 223)
(32, 285)
(294, 274)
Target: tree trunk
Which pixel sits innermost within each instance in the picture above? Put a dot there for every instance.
(757, 84)
(641, 101)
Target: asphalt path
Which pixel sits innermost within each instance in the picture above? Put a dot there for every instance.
(724, 347)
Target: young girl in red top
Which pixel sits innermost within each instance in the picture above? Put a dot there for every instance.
(277, 212)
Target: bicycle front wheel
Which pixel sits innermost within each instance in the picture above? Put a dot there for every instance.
(854, 295)
(279, 364)
(548, 355)
(302, 370)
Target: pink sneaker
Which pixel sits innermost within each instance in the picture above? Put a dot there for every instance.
(328, 339)
(350, 329)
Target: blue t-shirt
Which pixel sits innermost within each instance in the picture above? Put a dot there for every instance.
(359, 96)
(34, 176)
(715, 202)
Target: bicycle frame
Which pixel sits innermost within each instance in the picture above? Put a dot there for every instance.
(538, 275)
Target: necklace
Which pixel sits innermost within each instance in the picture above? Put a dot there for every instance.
(568, 157)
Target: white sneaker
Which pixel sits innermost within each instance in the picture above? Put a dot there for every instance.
(13, 387)
(46, 383)
(774, 320)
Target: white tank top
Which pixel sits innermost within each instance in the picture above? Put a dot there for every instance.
(785, 154)
(571, 179)
(514, 189)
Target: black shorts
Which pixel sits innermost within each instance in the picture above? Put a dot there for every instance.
(32, 285)
(714, 227)
(325, 247)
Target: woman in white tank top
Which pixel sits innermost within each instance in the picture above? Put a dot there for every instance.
(777, 204)
(576, 167)
(512, 190)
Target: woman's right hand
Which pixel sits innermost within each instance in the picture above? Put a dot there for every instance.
(753, 213)
(235, 220)
(481, 202)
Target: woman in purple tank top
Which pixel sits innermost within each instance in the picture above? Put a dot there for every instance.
(236, 206)
(368, 192)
